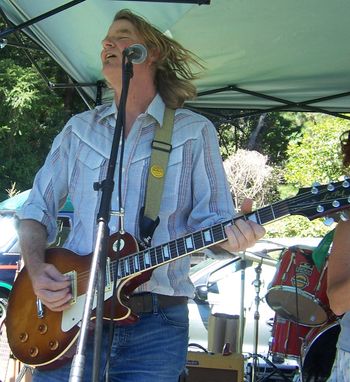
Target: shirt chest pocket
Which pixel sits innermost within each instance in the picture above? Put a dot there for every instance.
(90, 157)
(91, 166)
(140, 167)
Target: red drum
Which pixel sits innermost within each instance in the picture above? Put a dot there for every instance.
(318, 352)
(298, 291)
(287, 338)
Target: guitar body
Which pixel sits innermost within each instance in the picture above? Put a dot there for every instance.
(39, 341)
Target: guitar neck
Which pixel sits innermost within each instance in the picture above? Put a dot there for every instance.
(153, 257)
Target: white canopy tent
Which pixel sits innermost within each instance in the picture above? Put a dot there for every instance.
(260, 55)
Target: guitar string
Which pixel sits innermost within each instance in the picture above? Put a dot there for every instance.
(85, 275)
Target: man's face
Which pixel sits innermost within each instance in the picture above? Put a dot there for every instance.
(121, 34)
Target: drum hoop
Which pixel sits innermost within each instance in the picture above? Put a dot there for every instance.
(307, 295)
(293, 289)
(300, 247)
(305, 348)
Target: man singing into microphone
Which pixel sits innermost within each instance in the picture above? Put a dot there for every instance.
(195, 196)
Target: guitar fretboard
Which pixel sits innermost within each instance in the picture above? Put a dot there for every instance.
(199, 240)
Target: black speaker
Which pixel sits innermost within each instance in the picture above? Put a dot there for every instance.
(208, 367)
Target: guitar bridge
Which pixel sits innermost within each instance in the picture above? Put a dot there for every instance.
(73, 286)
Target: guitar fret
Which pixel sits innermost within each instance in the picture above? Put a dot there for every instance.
(153, 256)
(173, 250)
(159, 255)
(218, 232)
(198, 240)
(142, 261)
(265, 215)
(131, 265)
(127, 268)
(122, 267)
(180, 245)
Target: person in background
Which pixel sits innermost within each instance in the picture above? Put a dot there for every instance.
(338, 287)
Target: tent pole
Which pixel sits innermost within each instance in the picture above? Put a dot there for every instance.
(45, 15)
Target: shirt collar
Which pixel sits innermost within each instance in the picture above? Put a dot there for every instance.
(107, 111)
(155, 109)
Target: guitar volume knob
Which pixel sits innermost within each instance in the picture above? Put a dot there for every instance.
(53, 345)
(42, 328)
(33, 351)
(23, 337)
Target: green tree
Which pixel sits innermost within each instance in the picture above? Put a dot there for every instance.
(269, 134)
(313, 156)
(30, 115)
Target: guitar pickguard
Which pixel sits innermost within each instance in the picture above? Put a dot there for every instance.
(73, 315)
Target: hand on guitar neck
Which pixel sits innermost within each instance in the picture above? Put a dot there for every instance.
(242, 234)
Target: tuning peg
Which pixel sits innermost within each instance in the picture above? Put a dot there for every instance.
(320, 208)
(328, 222)
(330, 187)
(346, 184)
(314, 189)
(335, 204)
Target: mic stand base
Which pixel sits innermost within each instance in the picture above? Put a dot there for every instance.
(253, 373)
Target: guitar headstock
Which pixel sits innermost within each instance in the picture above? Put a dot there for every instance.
(321, 200)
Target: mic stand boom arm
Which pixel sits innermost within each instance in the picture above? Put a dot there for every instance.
(98, 265)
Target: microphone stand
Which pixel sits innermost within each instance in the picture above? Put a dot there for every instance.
(99, 259)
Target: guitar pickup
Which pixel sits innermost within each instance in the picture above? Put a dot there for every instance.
(73, 286)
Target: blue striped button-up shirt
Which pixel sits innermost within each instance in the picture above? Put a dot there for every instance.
(196, 193)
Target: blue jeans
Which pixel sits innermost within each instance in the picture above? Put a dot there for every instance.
(152, 350)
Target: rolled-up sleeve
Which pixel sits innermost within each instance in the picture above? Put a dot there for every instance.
(44, 200)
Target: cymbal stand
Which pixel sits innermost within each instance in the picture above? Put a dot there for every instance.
(242, 309)
(257, 285)
(255, 356)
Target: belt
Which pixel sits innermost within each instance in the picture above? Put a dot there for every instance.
(149, 302)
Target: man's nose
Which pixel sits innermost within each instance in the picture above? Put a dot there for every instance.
(107, 43)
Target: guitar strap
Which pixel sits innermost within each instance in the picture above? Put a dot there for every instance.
(161, 148)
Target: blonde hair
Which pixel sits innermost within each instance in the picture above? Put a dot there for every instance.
(173, 71)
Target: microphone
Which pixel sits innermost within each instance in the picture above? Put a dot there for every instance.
(135, 53)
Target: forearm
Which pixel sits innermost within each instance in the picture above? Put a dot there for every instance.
(33, 243)
(338, 281)
(339, 296)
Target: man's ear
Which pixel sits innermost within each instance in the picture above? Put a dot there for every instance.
(153, 54)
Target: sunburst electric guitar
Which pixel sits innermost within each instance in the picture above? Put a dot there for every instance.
(39, 341)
